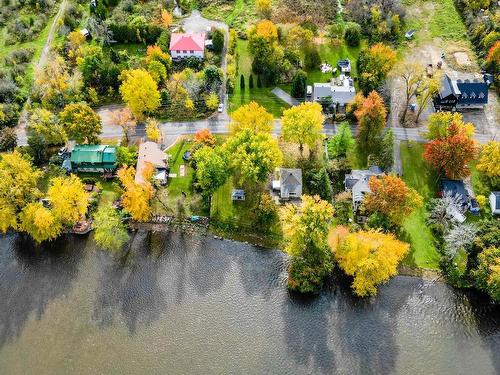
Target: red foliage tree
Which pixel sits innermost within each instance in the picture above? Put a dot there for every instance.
(205, 137)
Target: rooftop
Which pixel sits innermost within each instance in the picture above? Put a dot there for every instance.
(149, 152)
(187, 42)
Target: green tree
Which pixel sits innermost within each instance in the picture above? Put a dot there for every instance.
(306, 232)
(81, 123)
(242, 82)
(44, 122)
(110, 232)
(303, 124)
(386, 156)
(352, 34)
(487, 274)
(218, 40)
(299, 84)
(250, 82)
(253, 155)
(342, 142)
(211, 168)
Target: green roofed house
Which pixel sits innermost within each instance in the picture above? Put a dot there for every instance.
(93, 158)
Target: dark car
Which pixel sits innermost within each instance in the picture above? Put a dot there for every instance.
(187, 156)
(474, 206)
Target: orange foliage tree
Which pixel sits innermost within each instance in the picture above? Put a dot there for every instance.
(450, 155)
(205, 137)
(371, 114)
(391, 197)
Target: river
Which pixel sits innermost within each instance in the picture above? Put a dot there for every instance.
(179, 304)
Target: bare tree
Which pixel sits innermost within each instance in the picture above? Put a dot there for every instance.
(427, 91)
(443, 209)
(124, 118)
(412, 75)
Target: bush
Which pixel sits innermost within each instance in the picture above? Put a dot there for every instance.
(312, 60)
(8, 90)
(304, 277)
(299, 84)
(352, 34)
(218, 41)
(8, 139)
(19, 56)
(139, 33)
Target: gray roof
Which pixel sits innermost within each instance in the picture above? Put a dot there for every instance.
(496, 195)
(290, 182)
(357, 181)
(340, 93)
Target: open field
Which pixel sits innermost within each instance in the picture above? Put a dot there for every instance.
(416, 174)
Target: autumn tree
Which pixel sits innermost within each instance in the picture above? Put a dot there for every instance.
(439, 125)
(489, 159)
(110, 232)
(8, 139)
(39, 222)
(450, 155)
(74, 41)
(374, 63)
(390, 196)
(212, 101)
(303, 124)
(251, 116)
(68, 199)
(81, 123)
(166, 18)
(205, 137)
(426, 93)
(370, 257)
(45, 123)
(211, 168)
(305, 229)
(153, 132)
(137, 196)
(124, 118)
(412, 75)
(371, 115)
(264, 8)
(155, 53)
(254, 156)
(487, 274)
(18, 187)
(140, 92)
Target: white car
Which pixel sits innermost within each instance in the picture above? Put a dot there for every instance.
(221, 108)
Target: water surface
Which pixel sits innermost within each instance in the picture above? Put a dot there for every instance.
(178, 304)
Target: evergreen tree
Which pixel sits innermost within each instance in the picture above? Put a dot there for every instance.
(299, 84)
(386, 157)
(250, 82)
(242, 82)
(259, 82)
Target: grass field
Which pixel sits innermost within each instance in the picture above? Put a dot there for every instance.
(416, 174)
(262, 95)
(177, 185)
(222, 205)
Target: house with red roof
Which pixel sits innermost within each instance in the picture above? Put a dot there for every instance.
(183, 45)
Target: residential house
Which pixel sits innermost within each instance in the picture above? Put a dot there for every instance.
(150, 154)
(238, 195)
(463, 93)
(357, 183)
(455, 188)
(339, 92)
(289, 185)
(92, 158)
(183, 45)
(495, 202)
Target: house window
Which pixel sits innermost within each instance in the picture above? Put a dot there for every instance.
(184, 51)
(481, 95)
(191, 51)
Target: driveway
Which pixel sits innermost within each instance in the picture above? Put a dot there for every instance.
(286, 97)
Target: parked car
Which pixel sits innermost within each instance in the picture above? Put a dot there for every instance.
(410, 33)
(474, 206)
(221, 108)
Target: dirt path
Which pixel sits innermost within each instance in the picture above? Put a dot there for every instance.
(22, 137)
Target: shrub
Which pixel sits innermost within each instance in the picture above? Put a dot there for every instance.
(218, 41)
(8, 139)
(352, 34)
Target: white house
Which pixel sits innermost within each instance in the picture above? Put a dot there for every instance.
(495, 202)
(340, 91)
(289, 184)
(183, 46)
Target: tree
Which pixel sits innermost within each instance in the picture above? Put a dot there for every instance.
(312, 59)
(211, 168)
(299, 84)
(155, 53)
(137, 196)
(370, 257)
(126, 156)
(68, 199)
(391, 197)
(374, 64)
(386, 156)
(39, 222)
(452, 154)
(8, 139)
(157, 71)
(461, 236)
(426, 92)
(250, 82)
(218, 41)
(124, 118)
(253, 155)
(140, 92)
(18, 187)
(487, 274)
(75, 40)
(264, 8)
(493, 57)
(489, 159)
(81, 123)
(212, 101)
(441, 210)
(44, 122)
(371, 115)
(266, 213)
(352, 34)
(342, 142)
(242, 82)
(251, 116)
(166, 18)
(153, 132)
(204, 137)
(305, 229)
(439, 125)
(110, 232)
(412, 74)
(303, 124)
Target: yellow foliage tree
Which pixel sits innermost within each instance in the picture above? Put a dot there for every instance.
(153, 132)
(489, 160)
(166, 18)
(303, 124)
(75, 40)
(251, 116)
(264, 8)
(68, 199)
(137, 196)
(267, 30)
(140, 91)
(212, 101)
(370, 257)
(39, 222)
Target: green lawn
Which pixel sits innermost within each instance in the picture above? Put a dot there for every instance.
(222, 205)
(416, 174)
(177, 185)
(262, 95)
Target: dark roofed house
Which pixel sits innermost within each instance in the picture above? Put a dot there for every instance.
(357, 183)
(495, 202)
(93, 158)
(460, 94)
(344, 66)
(454, 188)
(238, 195)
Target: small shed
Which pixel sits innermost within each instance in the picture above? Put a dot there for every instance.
(290, 183)
(85, 33)
(344, 66)
(495, 202)
(238, 195)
